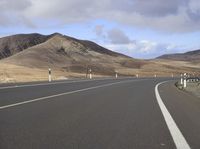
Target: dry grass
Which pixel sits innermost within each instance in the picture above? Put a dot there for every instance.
(13, 73)
(192, 87)
(162, 68)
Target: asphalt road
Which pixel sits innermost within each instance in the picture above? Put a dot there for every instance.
(98, 114)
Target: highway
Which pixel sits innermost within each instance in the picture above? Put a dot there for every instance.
(127, 113)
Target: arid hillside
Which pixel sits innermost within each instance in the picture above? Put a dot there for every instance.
(28, 57)
(62, 52)
(191, 56)
(14, 44)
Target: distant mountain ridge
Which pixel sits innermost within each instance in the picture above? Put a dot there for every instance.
(61, 52)
(68, 55)
(187, 56)
(11, 45)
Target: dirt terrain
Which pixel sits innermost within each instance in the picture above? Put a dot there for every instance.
(27, 57)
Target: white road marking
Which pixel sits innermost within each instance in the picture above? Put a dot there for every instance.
(66, 93)
(176, 134)
(53, 83)
(40, 84)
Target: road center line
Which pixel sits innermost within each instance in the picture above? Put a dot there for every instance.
(53, 83)
(66, 93)
(43, 84)
(176, 134)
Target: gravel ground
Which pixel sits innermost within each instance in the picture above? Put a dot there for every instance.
(193, 88)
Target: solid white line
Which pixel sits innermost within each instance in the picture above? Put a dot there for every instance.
(40, 84)
(53, 83)
(176, 134)
(67, 93)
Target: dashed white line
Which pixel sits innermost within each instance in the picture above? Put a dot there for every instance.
(176, 134)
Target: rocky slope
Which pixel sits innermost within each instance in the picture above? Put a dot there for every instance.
(14, 44)
(63, 52)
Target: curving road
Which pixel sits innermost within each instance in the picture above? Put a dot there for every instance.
(97, 114)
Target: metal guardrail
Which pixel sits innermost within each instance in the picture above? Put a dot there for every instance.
(193, 79)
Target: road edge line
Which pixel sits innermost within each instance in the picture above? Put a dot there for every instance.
(175, 132)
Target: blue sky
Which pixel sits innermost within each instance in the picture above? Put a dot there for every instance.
(138, 28)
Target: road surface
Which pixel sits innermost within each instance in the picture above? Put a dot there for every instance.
(98, 114)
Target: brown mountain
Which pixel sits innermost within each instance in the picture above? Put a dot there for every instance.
(27, 57)
(192, 56)
(62, 52)
(13, 44)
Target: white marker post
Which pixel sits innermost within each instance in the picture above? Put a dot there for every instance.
(172, 75)
(137, 75)
(49, 74)
(90, 73)
(155, 76)
(116, 75)
(185, 82)
(181, 79)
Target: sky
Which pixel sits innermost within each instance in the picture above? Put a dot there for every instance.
(138, 28)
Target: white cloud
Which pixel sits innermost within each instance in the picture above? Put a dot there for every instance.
(116, 40)
(146, 46)
(158, 8)
(14, 5)
(167, 16)
(145, 49)
(117, 36)
(194, 6)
